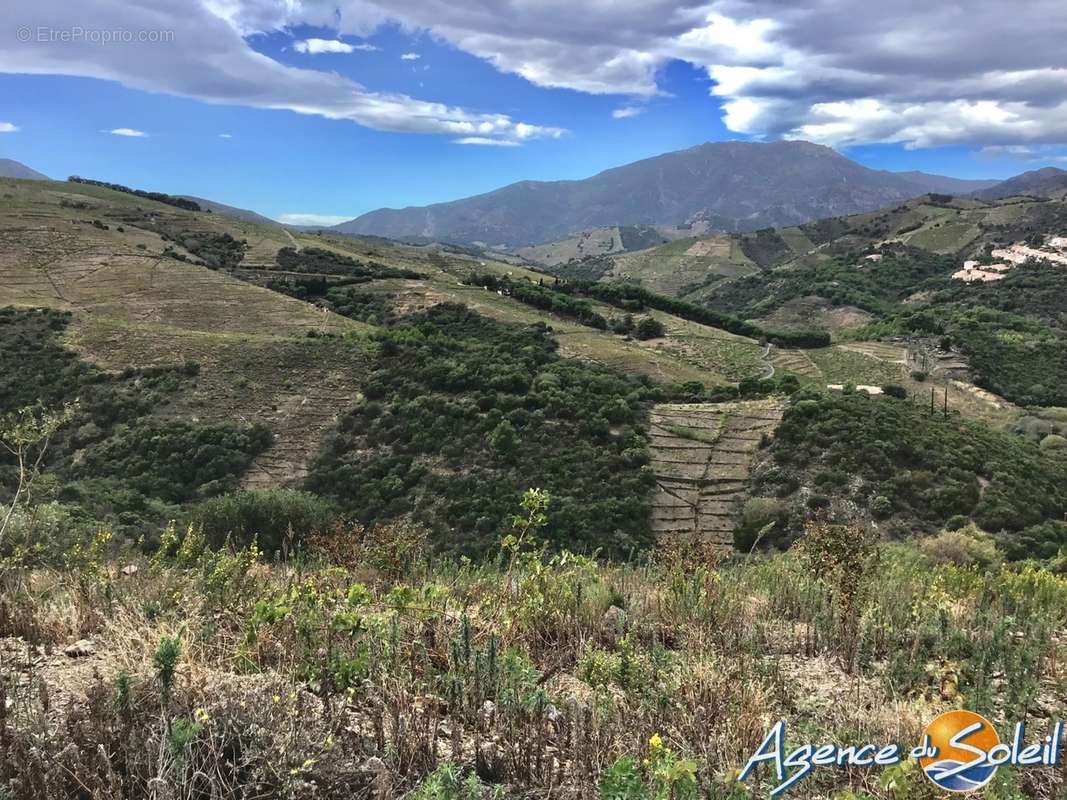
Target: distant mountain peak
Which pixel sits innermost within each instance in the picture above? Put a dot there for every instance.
(14, 169)
(744, 185)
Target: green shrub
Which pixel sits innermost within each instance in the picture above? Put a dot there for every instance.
(268, 516)
(881, 507)
(764, 520)
(1053, 442)
(1036, 541)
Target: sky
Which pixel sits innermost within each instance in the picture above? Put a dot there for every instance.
(319, 110)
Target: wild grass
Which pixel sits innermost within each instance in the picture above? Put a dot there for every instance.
(363, 667)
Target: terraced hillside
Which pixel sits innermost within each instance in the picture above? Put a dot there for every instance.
(143, 291)
(702, 456)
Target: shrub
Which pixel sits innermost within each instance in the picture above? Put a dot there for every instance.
(277, 518)
(963, 547)
(881, 507)
(1036, 541)
(649, 328)
(1053, 442)
(764, 520)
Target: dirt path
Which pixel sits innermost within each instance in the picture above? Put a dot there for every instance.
(768, 365)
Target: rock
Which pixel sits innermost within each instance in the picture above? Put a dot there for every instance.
(488, 709)
(129, 569)
(553, 714)
(82, 647)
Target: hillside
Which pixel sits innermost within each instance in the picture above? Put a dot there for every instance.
(733, 185)
(243, 214)
(259, 326)
(1045, 182)
(328, 516)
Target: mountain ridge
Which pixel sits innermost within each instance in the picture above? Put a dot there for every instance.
(1044, 182)
(740, 185)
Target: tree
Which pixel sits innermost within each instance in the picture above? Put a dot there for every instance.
(649, 328)
(26, 435)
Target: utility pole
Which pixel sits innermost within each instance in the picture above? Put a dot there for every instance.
(931, 401)
(946, 401)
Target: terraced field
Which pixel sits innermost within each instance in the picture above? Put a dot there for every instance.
(702, 455)
(672, 267)
(795, 362)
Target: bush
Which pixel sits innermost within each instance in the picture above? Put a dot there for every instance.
(964, 547)
(1053, 442)
(649, 328)
(881, 507)
(1037, 541)
(759, 513)
(266, 516)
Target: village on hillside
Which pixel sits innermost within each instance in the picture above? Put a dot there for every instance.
(1054, 251)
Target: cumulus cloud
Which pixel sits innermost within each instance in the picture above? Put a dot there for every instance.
(131, 132)
(482, 140)
(317, 46)
(410, 57)
(627, 111)
(208, 59)
(8, 127)
(312, 219)
(837, 71)
(840, 72)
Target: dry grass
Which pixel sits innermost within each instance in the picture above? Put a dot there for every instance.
(305, 680)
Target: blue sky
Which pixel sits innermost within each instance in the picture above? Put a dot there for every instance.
(550, 110)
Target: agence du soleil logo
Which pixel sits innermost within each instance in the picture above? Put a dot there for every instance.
(960, 752)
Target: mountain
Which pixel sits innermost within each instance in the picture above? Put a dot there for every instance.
(926, 182)
(1045, 182)
(738, 185)
(13, 169)
(243, 214)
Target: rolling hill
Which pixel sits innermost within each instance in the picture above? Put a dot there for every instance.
(733, 185)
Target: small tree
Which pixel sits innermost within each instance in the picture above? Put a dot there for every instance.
(649, 328)
(26, 435)
(844, 558)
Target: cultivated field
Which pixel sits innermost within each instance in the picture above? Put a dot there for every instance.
(702, 456)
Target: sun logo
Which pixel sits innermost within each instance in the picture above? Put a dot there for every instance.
(959, 745)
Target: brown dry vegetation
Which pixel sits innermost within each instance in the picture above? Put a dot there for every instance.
(364, 670)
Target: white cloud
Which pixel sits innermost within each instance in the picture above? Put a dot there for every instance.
(410, 57)
(8, 127)
(838, 71)
(208, 59)
(225, 135)
(627, 111)
(312, 219)
(131, 132)
(485, 141)
(317, 46)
